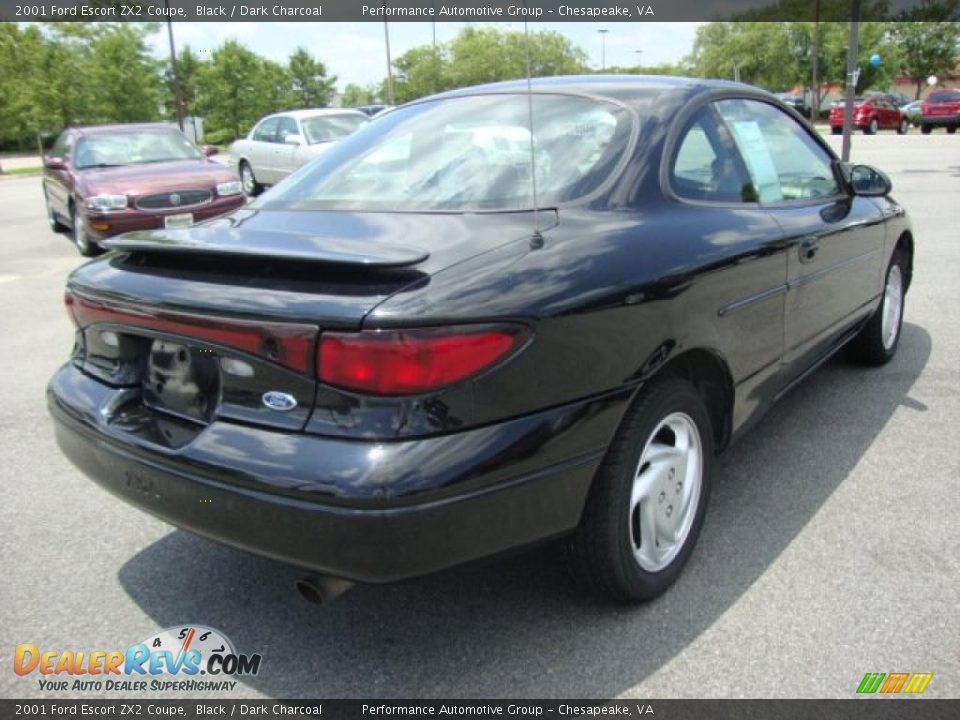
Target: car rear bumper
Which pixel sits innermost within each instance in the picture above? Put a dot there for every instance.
(440, 502)
(940, 120)
(119, 222)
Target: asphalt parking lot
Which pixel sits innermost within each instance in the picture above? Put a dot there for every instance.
(831, 547)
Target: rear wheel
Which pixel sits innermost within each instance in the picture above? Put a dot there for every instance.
(249, 181)
(81, 236)
(836, 130)
(878, 341)
(648, 500)
(951, 130)
(925, 129)
(904, 127)
(872, 127)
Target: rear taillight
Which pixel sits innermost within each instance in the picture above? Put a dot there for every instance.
(288, 344)
(409, 362)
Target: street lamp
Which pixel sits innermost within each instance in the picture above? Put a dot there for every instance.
(386, 36)
(639, 53)
(177, 96)
(603, 48)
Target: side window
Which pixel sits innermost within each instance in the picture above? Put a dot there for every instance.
(61, 148)
(784, 162)
(706, 166)
(267, 130)
(288, 126)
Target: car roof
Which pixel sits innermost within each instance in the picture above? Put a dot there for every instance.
(614, 87)
(315, 112)
(123, 127)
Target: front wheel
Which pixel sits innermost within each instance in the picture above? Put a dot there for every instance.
(951, 130)
(878, 341)
(904, 127)
(648, 500)
(872, 127)
(52, 218)
(836, 130)
(81, 236)
(926, 129)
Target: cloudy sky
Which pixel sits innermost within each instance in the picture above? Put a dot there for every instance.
(354, 52)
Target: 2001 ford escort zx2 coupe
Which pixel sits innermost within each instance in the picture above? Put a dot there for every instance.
(404, 357)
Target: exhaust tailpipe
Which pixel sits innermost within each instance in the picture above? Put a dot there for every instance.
(322, 589)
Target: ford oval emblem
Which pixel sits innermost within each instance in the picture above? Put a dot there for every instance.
(174, 198)
(279, 401)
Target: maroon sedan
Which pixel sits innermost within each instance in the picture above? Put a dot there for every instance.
(106, 180)
(870, 114)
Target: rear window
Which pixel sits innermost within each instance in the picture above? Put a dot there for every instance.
(467, 153)
(944, 96)
(327, 128)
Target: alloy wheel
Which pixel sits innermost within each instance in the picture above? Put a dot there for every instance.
(80, 237)
(247, 180)
(666, 492)
(892, 307)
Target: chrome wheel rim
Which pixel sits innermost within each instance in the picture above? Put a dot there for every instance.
(246, 177)
(666, 492)
(892, 307)
(904, 127)
(50, 216)
(874, 126)
(80, 233)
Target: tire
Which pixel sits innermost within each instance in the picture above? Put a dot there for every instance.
(248, 180)
(872, 127)
(904, 127)
(877, 343)
(607, 553)
(52, 219)
(81, 238)
(926, 129)
(836, 130)
(951, 130)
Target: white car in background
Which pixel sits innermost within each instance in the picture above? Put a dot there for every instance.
(282, 142)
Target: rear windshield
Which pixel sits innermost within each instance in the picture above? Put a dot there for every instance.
(466, 153)
(133, 148)
(944, 96)
(326, 128)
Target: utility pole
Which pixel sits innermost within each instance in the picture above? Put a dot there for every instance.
(177, 95)
(386, 36)
(815, 105)
(603, 48)
(853, 74)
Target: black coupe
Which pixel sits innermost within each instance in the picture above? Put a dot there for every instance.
(494, 317)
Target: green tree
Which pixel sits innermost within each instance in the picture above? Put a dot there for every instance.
(311, 85)
(228, 87)
(925, 49)
(354, 95)
(125, 76)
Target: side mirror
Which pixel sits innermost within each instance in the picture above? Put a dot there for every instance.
(293, 139)
(869, 182)
(54, 163)
(209, 150)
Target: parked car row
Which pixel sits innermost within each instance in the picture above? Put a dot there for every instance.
(888, 111)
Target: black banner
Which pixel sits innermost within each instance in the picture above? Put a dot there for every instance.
(606, 11)
(854, 709)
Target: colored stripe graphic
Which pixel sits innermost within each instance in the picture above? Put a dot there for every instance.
(870, 682)
(894, 683)
(918, 682)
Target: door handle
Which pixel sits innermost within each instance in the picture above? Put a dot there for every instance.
(808, 249)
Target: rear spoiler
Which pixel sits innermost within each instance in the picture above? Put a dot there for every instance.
(267, 245)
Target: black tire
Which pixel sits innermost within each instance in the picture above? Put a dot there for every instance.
(248, 180)
(871, 127)
(951, 130)
(926, 129)
(52, 218)
(871, 346)
(836, 130)
(601, 551)
(81, 238)
(904, 127)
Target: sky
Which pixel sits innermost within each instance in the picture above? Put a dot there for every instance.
(354, 52)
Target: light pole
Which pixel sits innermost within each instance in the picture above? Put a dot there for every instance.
(853, 74)
(386, 36)
(639, 53)
(603, 48)
(177, 97)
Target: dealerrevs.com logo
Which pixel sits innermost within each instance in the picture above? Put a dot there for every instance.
(184, 658)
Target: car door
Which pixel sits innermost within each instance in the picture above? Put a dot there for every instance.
(262, 146)
(285, 153)
(835, 240)
(58, 183)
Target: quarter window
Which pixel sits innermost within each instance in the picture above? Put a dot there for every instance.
(706, 166)
(784, 162)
